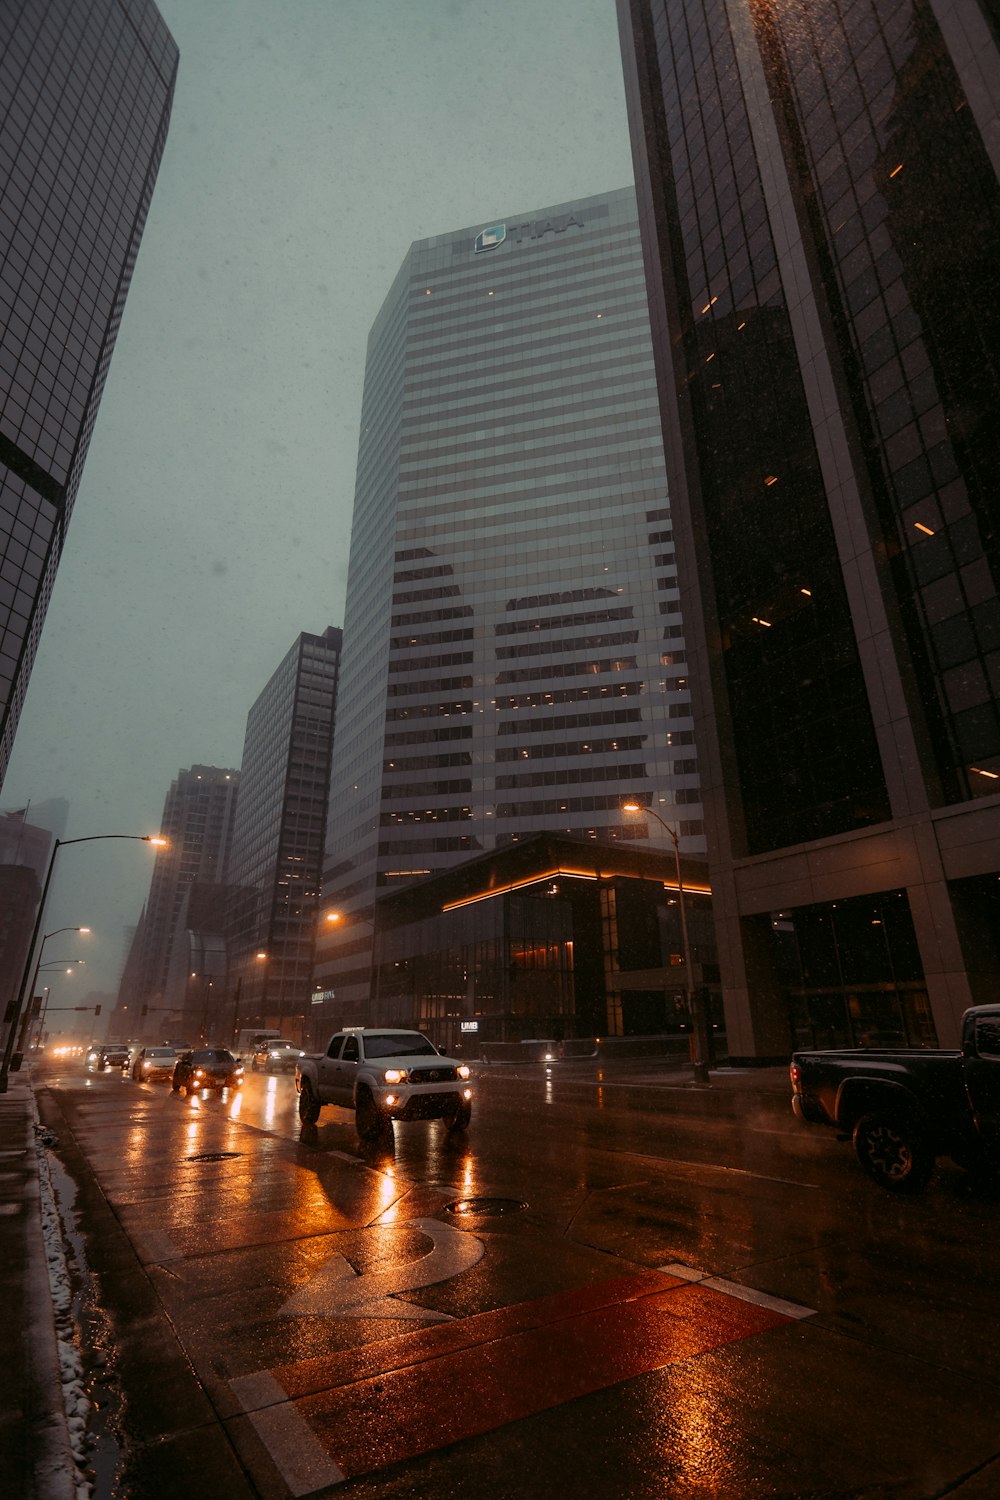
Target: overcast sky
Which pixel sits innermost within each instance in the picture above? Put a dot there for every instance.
(311, 141)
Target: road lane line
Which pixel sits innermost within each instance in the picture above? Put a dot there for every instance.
(737, 1289)
(708, 1166)
(301, 1459)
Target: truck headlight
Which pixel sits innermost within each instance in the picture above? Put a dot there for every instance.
(463, 1070)
(394, 1075)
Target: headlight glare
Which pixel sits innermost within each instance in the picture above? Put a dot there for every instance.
(464, 1070)
(394, 1075)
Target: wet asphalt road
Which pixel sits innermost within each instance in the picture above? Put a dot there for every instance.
(299, 1313)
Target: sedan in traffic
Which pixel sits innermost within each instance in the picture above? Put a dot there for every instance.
(103, 1059)
(154, 1062)
(276, 1056)
(206, 1068)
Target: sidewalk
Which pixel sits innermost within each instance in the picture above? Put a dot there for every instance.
(36, 1461)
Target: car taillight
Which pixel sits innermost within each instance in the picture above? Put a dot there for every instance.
(794, 1072)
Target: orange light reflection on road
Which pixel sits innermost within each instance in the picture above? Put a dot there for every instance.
(270, 1101)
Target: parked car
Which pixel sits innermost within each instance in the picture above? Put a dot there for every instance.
(384, 1075)
(154, 1062)
(206, 1068)
(276, 1056)
(904, 1107)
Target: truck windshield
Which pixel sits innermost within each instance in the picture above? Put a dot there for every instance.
(399, 1044)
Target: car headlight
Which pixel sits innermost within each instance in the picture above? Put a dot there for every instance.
(463, 1070)
(239, 1068)
(394, 1075)
(198, 1073)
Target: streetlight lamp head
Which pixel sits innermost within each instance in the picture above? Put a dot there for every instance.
(151, 839)
(334, 916)
(631, 807)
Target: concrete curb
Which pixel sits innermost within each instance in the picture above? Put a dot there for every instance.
(30, 1375)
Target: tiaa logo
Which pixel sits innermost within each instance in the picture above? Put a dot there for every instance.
(489, 239)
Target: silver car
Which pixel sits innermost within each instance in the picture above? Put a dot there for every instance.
(154, 1062)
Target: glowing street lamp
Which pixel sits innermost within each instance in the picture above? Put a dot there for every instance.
(699, 1060)
(143, 838)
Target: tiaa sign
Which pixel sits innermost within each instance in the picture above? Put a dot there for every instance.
(495, 234)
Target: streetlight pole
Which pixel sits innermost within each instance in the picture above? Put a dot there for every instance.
(40, 968)
(41, 949)
(143, 838)
(699, 1060)
(336, 918)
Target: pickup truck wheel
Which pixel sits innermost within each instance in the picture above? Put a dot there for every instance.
(893, 1152)
(370, 1122)
(460, 1115)
(308, 1104)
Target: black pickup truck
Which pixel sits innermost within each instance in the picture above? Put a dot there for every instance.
(904, 1108)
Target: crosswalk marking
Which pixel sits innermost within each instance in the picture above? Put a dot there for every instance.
(398, 1398)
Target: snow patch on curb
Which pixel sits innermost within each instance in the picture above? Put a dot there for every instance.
(75, 1400)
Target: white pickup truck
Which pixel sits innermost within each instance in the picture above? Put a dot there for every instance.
(384, 1074)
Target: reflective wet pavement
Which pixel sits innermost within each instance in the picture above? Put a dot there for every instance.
(299, 1313)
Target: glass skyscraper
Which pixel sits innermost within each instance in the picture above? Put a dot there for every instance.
(513, 651)
(821, 219)
(85, 95)
(197, 824)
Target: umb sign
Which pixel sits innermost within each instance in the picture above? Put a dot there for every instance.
(495, 234)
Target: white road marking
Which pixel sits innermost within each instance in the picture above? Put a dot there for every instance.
(158, 1245)
(303, 1462)
(709, 1166)
(735, 1289)
(337, 1291)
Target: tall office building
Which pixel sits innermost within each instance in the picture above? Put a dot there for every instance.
(85, 95)
(821, 222)
(197, 824)
(513, 650)
(276, 859)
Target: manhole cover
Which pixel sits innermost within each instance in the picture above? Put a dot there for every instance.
(214, 1156)
(485, 1207)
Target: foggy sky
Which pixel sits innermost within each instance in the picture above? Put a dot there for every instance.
(311, 141)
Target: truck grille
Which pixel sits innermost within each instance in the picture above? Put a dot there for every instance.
(433, 1075)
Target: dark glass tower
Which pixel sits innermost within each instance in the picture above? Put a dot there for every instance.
(513, 650)
(85, 95)
(276, 860)
(821, 224)
(198, 827)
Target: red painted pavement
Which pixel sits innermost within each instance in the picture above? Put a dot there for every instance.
(405, 1396)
